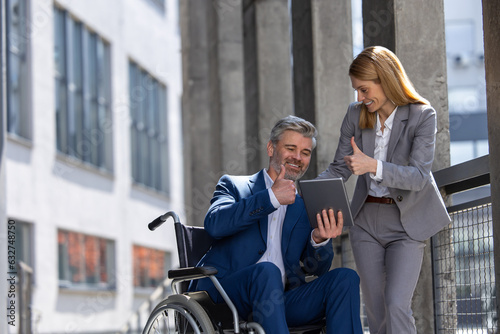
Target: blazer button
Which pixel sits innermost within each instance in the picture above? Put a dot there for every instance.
(399, 198)
(261, 251)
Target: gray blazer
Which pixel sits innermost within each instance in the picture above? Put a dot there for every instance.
(407, 171)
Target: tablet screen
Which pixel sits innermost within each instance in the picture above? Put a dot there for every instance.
(319, 194)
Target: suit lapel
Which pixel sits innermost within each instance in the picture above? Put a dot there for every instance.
(292, 215)
(257, 183)
(400, 121)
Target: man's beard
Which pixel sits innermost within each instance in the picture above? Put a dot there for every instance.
(294, 176)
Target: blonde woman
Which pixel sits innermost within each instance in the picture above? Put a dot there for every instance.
(388, 138)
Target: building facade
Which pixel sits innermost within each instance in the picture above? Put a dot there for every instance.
(466, 80)
(91, 154)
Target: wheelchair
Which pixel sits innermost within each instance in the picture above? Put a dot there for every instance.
(195, 312)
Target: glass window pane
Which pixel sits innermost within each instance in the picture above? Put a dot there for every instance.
(148, 130)
(91, 259)
(75, 256)
(18, 82)
(85, 260)
(103, 263)
(150, 266)
(164, 171)
(62, 240)
(60, 78)
(76, 89)
(83, 92)
(23, 243)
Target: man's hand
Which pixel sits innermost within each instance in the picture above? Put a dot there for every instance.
(359, 163)
(328, 226)
(283, 189)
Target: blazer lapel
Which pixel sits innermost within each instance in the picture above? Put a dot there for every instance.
(291, 218)
(257, 183)
(400, 121)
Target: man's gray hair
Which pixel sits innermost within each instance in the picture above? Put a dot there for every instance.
(296, 124)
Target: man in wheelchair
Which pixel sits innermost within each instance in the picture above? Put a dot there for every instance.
(262, 236)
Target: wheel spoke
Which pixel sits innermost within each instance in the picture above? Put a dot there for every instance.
(179, 314)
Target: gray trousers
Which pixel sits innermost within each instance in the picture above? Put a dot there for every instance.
(388, 262)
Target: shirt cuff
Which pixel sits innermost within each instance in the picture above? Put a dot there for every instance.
(274, 200)
(315, 245)
(380, 168)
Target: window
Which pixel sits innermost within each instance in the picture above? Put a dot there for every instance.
(83, 92)
(23, 243)
(85, 260)
(148, 132)
(18, 91)
(150, 266)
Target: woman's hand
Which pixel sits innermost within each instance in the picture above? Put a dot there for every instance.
(359, 163)
(328, 226)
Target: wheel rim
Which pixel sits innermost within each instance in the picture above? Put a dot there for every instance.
(175, 319)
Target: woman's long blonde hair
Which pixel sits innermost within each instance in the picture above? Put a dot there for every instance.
(378, 64)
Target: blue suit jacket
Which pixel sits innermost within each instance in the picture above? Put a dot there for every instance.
(237, 219)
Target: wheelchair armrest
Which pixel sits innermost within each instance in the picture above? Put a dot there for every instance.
(192, 273)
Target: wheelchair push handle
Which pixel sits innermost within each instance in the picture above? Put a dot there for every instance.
(160, 220)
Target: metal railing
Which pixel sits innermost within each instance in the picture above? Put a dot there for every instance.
(464, 274)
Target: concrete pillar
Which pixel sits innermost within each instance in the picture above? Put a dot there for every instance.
(200, 103)
(274, 67)
(231, 67)
(491, 22)
(303, 68)
(332, 55)
(415, 32)
(213, 98)
(378, 23)
(332, 45)
(251, 79)
(420, 45)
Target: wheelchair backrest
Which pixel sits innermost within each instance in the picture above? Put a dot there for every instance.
(192, 243)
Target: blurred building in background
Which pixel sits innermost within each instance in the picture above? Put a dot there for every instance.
(466, 86)
(93, 140)
(466, 80)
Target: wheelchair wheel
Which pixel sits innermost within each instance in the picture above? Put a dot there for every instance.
(178, 314)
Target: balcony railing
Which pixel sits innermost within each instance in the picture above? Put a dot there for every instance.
(464, 273)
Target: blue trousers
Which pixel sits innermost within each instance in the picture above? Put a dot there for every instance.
(257, 291)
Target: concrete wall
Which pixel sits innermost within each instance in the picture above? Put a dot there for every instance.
(51, 192)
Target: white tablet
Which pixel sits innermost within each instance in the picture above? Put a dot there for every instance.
(319, 194)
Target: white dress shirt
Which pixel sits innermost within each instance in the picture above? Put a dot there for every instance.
(381, 145)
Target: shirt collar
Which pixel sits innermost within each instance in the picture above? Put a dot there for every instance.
(388, 122)
(267, 179)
